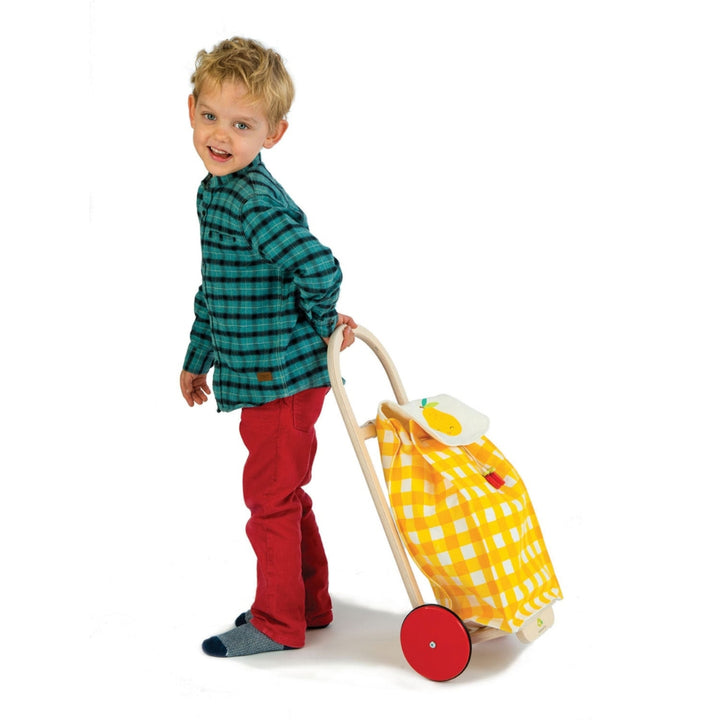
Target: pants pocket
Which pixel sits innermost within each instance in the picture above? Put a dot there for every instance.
(306, 408)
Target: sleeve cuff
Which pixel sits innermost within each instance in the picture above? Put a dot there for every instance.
(198, 360)
(324, 328)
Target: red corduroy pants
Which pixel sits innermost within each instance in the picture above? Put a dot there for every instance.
(292, 572)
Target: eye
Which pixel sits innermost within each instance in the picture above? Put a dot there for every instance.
(208, 116)
(241, 126)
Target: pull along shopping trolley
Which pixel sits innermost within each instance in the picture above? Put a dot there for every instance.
(455, 505)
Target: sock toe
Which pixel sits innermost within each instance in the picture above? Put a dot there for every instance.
(215, 647)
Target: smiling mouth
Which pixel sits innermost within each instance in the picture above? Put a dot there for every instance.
(219, 154)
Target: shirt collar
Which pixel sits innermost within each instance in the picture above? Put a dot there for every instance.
(216, 181)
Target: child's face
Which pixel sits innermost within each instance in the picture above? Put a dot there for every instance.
(228, 129)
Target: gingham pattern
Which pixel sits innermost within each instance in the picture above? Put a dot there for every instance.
(480, 547)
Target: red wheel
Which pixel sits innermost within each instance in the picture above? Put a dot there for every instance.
(435, 642)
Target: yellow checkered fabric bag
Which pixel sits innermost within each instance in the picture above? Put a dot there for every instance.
(465, 517)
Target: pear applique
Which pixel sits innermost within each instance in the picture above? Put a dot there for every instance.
(438, 420)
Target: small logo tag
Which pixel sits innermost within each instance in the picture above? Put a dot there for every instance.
(264, 376)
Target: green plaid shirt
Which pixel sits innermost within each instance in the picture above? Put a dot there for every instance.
(268, 292)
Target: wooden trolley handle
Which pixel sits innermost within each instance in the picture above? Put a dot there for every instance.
(359, 435)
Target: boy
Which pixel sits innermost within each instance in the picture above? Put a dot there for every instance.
(263, 314)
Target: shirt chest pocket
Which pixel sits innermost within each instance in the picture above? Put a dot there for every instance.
(233, 252)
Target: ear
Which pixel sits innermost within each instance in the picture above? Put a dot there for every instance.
(191, 108)
(277, 134)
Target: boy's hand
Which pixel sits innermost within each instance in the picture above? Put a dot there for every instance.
(194, 388)
(348, 334)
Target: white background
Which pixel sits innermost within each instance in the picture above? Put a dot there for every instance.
(524, 200)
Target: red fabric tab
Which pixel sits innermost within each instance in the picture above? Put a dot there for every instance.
(494, 479)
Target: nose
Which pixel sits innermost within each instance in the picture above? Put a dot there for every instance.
(220, 133)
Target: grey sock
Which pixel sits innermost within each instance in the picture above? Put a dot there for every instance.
(245, 617)
(243, 640)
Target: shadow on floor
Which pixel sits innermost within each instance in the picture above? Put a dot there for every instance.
(368, 636)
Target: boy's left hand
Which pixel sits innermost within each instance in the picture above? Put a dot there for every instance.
(194, 388)
(348, 334)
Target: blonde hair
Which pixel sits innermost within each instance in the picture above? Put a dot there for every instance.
(259, 69)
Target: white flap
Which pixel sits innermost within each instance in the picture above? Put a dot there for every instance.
(445, 419)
